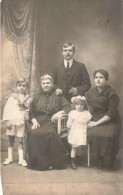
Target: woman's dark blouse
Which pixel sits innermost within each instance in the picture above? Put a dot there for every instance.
(104, 103)
(48, 104)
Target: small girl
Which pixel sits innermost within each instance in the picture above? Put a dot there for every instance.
(77, 126)
(15, 115)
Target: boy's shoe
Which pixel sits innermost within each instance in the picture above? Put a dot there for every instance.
(22, 163)
(7, 161)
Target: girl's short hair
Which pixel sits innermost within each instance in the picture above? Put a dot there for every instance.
(47, 76)
(79, 101)
(103, 72)
(22, 80)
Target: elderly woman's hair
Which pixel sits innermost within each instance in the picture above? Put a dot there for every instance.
(103, 72)
(22, 80)
(65, 45)
(47, 76)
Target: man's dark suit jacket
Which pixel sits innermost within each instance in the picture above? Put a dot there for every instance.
(79, 79)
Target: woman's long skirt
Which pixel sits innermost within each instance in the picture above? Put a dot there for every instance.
(104, 139)
(44, 146)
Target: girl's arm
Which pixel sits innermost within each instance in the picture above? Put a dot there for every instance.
(70, 120)
(69, 130)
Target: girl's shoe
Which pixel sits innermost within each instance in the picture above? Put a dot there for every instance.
(22, 163)
(7, 161)
(50, 167)
(73, 164)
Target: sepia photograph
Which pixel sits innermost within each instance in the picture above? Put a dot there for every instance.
(61, 97)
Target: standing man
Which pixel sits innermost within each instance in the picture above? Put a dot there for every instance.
(71, 77)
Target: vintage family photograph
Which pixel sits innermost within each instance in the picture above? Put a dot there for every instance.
(61, 97)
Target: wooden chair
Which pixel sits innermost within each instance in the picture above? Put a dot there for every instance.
(62, 126)
(63, 132)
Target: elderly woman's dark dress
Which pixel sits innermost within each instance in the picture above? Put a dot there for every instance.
(44, 146)
(104, 137)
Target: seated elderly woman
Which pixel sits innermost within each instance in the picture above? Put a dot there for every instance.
(105, 125)
(44, 146)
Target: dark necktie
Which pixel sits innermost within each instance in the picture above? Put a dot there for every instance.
(68, 65)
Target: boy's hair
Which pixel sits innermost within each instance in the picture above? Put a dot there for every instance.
(22, 80)
(80, 101)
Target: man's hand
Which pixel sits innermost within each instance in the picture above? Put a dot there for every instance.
(73, 90)
(35, 124)
(58, 91)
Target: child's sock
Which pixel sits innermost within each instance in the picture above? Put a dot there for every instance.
(20, 152)
(9, 159)
(10, 150)
(21, 160)
(73, 164)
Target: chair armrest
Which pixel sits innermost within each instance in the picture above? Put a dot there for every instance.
(64, 116)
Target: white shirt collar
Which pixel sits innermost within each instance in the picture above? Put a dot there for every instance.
(70, 62)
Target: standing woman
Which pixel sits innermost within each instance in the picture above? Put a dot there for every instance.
(105, 125)
(44, 146)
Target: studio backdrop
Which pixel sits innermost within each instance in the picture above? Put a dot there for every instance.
(34, 30)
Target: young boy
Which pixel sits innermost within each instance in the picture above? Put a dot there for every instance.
(15, 115)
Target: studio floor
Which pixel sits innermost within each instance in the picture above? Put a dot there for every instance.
(18, 180)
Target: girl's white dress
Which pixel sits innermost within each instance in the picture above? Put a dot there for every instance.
(77, 122)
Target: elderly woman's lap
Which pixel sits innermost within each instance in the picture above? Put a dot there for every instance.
(44, 147)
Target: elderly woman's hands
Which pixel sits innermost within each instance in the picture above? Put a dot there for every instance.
(35, 124)
(57, 115)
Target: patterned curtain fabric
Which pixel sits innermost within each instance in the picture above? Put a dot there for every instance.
(17, 17)
(21, 28)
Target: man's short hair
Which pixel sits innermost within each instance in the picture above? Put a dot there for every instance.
(65, 45)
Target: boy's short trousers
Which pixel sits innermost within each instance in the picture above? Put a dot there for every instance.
(18, 130)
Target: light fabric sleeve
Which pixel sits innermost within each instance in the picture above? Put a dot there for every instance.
(70, 119)
(8, 109)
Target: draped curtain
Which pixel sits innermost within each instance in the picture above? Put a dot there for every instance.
(21, 27)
